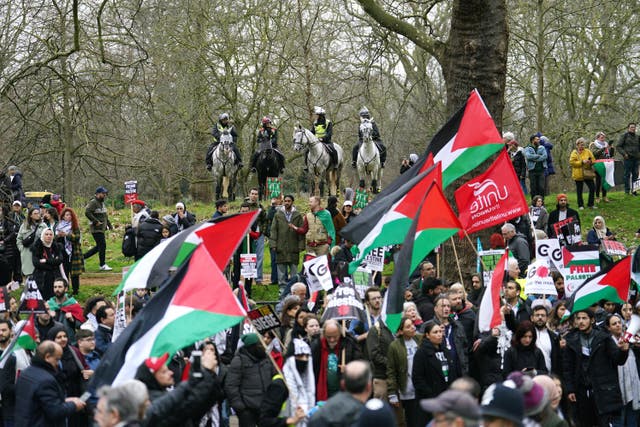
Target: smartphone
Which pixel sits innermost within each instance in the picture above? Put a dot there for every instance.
(85, 396)
(196, 363)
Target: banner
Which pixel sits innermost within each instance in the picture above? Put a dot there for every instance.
(362, 199)
(264, 319)
(580, 262)
(249, 266)
(130, 191)
(491, 198)
(375, 259)
(121, 316)
(611, 247)
(274, 187)
(344, 304)
(539, 282)
(318, 274)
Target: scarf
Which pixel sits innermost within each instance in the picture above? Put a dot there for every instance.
(327, 221)
(629, 381)
(600, 145)
(302, 390)
(321, 388)
(70, 305)
(65, 227)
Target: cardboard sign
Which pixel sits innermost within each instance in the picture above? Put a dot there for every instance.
(344, 304)
(611, 247)
(264, 319)
(568, 231)
(489, 259)
(375, 259)
(249, 266)
(31, 300)
(274, 187)
(130, 191)
(362, 199)
(539, 282)
(362, 280)
(318, 274)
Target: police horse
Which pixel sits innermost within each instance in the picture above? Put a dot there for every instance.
(267, 165)
(224, 169)
(368, 163)
(319, 159)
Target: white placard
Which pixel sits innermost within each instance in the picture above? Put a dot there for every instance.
(539, 281)
(375, 259)
(249, 266)
(318, 274)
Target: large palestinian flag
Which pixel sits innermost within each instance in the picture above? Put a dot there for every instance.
(221, 237)
(434, 223)
(195, 303)
(610, 284)
(606, 169)
(392, 227)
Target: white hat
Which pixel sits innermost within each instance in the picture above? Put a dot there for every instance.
(17, 202)
(179, 205)
(347, 203)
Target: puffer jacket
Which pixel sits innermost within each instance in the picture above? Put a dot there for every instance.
(247, 380)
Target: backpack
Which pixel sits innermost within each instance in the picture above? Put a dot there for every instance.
(129, 242)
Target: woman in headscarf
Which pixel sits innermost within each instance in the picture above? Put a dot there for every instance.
(47, 256)
(599, 232)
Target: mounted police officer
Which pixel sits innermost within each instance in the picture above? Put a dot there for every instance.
(375, 135)
(221, 126)
(267, 133)
(322, 129)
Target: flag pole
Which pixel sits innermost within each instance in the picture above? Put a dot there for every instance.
(455, 253)
(273, 362)
(484, 267)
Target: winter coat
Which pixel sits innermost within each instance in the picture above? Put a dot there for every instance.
(8, 388)
(96, 212)
(247, 380)
(428, 379)
(488, 361)
(26, 256)
(534, 155)
(519, 248)
(592, 236)
(347, 344)
(543, 217)
(518, 358)
(379, 339)
(45, 272)
(467, 318)
(342, 410)
(576, 160)
(16, 187)
(524, 313)
(629, 146)
(461, 345)
(262, 223)
(286, 242)
(554, 218)
(76, 258)
(602, 369)
(276, 395)
(518, 162)
(397, 366)
(103, 338)
(148, 235)
(186, 221)
(42, 398)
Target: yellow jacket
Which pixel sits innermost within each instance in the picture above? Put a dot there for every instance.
(576, 161)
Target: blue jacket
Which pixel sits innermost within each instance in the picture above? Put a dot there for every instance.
(533, 155)
(103, 339)
(41, 398)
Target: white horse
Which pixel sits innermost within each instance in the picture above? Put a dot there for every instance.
(368, 163)
(224, 169)
(319, 159)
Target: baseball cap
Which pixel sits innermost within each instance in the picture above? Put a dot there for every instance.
(17, 202)
(347, 203)
(456, 401)
(504, 402)
(101, 189)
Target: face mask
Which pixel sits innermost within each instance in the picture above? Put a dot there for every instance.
(301, 365)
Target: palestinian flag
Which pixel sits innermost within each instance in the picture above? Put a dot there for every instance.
(489, 315)
(195, 303)
(580, 255)
(434, 223)
(611, 284)
(24, 338)
(392, 227)
(69, 305)
(605, 168)
(154, 268)
(463, 143)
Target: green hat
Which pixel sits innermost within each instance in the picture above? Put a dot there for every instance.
(250, 339)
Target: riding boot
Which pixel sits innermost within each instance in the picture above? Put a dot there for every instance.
(254, 159)
(208, 160)
(354, 154)
(383, 153)
(280, 161)
(306, 160)
(238, 157)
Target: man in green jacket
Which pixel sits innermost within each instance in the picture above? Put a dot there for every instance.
(285, 241)
(96, 212)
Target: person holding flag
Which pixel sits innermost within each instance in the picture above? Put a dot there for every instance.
(65, 309)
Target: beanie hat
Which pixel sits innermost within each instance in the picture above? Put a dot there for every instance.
(155, 363)
(250, 339)
(503, 402)
(376, 413)
(549, 386)
(535, 398)
(561, 196)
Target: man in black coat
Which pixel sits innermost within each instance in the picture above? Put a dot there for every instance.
(565, 220)
(590, 361)
(148, 235)
(42, 399)
(546, 340)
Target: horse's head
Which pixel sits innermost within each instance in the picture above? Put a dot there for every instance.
(366, 129)
(300, 137)
(226, 142)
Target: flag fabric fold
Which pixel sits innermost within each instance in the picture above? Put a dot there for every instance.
(489, 316)
(610, 284)
(194, 303)
(434, 223)
(24, 337)
(606, 168)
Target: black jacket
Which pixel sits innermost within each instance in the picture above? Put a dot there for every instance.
(148, 236)
(427, 376)
(524, 313)
(554, 217)
(8, 388)
(518, 358)
(379, 339)
(44, 273)
(277, 393)
(247, 380)
(461, 346)
(42, 398)
(487, 361)
(601, 372)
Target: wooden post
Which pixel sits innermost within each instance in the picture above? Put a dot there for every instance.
(455, 253)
